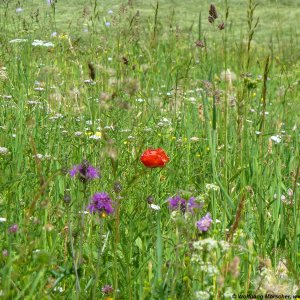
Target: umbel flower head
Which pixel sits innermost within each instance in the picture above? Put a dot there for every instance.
(184, 205)
(101, 203)
(153, 158)
(84, 171)
(204, 224)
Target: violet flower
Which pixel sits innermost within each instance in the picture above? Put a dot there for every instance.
(204, 224)
(84, 171)
(101, 203)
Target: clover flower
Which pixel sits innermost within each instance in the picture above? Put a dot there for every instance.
(107, 289)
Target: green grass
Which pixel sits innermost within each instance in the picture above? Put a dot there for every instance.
(155, 88)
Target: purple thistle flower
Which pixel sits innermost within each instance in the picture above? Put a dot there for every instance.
(204, 224)
(84, 171)
(13, 229)
(101, 203)
(4, 252)
(107, 289)
(179, 203)
(192, 204)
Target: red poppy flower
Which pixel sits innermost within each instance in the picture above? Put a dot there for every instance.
(153, 158)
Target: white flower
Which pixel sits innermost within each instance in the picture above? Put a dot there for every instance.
(109, 127)
(164, 122)
(78, 133)
(155, 207)
(42, 43)
(228, 293)
(276, 139)
(224, 245)
(58, 289)
(18, 41)
(202, 295)
(257, 132)
(2, 220)
(4, 150)
(211, 186)
(95, 137)
(19, 10)
(90, 81)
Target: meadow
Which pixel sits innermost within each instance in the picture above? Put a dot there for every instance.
(89, 88)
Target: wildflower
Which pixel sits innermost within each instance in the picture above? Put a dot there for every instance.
(19, 10)
(5, 252)
(101, 203)
(96, 136)
(107, 24)
(4, 150)
(212, 187)
(276, 139)
(153, 158)
(154, 206)
(179, 203)
(13, 229)
(42, 43)
(84, 171)
(203, 295)
(107, 289)
(192, 204)
(2, 220)
(204, 224)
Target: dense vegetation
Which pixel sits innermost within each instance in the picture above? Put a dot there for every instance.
(87, 87)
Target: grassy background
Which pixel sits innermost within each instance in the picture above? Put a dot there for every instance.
(153, 88)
